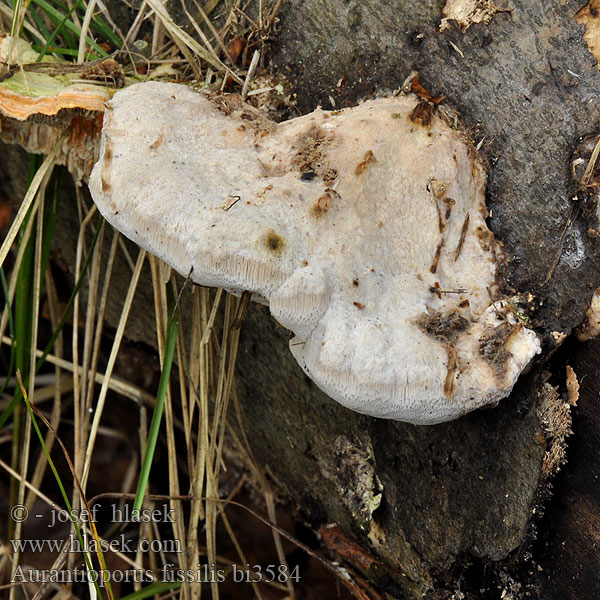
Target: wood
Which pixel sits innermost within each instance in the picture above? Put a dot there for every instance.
(571, 566)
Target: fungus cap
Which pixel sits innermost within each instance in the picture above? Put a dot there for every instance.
(363, 229)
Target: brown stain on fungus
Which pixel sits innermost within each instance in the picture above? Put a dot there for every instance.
(449, 202)
(436, 289)
(358, 305)
(82, 129)
(439, 188)
(108, 153)
(486, 237)
(463, 235)
(106, 163)
(321, 206)
(445, 328)
(158, 142)
(329, 176)
(450, 381)
(367, 160)
(436, 257)
(273, 242)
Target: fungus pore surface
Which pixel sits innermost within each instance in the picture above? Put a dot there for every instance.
(362, 230)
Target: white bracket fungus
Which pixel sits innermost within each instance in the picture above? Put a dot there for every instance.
(363, 229)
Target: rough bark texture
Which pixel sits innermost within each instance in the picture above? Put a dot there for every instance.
(572, 565)
(464, 492)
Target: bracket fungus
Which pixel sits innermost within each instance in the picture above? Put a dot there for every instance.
(362, 230)
(41, 100)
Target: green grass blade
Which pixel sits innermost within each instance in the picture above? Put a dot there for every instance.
(11, 407)
(55, 50)
(62, 6)
(40, 24)
(99, 26)
(11, 327)
(58, 29)
(152, 590)
(50, 214)
(29, 197)
(69, 26)
(172, 327)
(23, 329)
(55, 16)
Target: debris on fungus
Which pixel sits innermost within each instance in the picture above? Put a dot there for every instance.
(589, 15)
(467, 12)
(377, 328)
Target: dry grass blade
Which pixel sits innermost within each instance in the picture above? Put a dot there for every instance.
(589, 169)
(32, 409)
(87, 19)
(60, 387)
(79, 412)
(187, 44)
(34, 489)
(158, 271)
(6, 11)
(115, 384)
(243, 447)
(85, 389)
(212, 29)
(100, 321)
(36, 182)
(250, 73)
(111, 363)
(135, 26)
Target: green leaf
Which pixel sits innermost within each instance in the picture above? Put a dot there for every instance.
(172, 327)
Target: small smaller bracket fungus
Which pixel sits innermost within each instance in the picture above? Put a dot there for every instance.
(40, 101)
(46, 90)
(363, 230)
